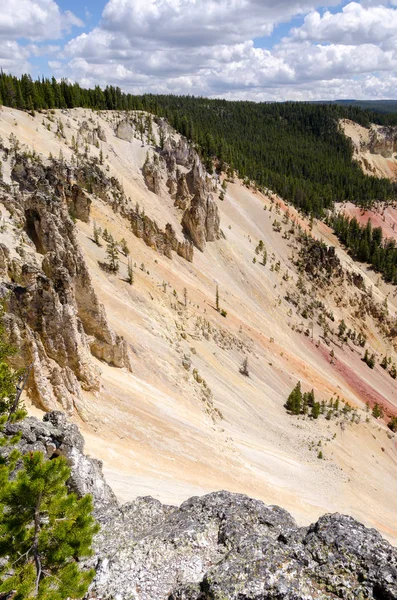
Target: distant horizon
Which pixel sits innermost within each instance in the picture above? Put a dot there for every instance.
(176, 94)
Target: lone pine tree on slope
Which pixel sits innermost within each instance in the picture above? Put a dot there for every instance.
(113, 254)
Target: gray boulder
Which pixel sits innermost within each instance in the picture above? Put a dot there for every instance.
(228, 546)
(56, 436)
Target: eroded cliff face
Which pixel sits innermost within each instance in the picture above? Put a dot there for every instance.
(220, 546)
(192, 189)
(375, 148)
(201, 220)
(383, 140)
(54, 315)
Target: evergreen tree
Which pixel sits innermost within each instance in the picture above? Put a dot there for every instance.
(296, 149)
(124, 248)
(44, 531)
(369, 359)
(294, 400)
(264, 257)
(8, 376)
(315, 410)
(130, 272)
(112, 254)
(377, 411)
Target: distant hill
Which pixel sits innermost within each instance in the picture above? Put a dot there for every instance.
(378, 106)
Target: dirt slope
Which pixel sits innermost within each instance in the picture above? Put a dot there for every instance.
(158, 429)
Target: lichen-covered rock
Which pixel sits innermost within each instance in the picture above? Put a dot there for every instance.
(221, 546)
(56, 436)
(227, 546)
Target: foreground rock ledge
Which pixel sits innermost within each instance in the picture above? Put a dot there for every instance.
(218, 547)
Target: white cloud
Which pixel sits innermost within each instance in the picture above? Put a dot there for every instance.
(174, 62)
(206, 47)
(35, 20)
(14, 58)
(199, 22)
(354, 25)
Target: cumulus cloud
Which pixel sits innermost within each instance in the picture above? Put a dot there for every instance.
(199, 22)
(208, 47)
(173, 46)
(354, 25)
(35, 20)
(14, 58)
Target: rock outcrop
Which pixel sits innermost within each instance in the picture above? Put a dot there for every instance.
(152, 174)
(183, 196)
(54, 315)
(125, 131)
(383, 140)
(192, 191)
(229, 546)
(201, 220)
(178, 152)
(226, 546)
(56, 436)
(92, 135)
(221, 546)
(163, 241)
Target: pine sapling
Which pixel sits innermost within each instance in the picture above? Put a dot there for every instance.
(130, 272)
(113, 255)
(97, 233)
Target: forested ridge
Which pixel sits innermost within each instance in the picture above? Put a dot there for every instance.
(296, 149)
(385, 109)
(366, 244)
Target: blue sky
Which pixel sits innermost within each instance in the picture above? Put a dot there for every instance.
(255, 49)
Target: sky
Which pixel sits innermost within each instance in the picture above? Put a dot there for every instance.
(236, 49)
